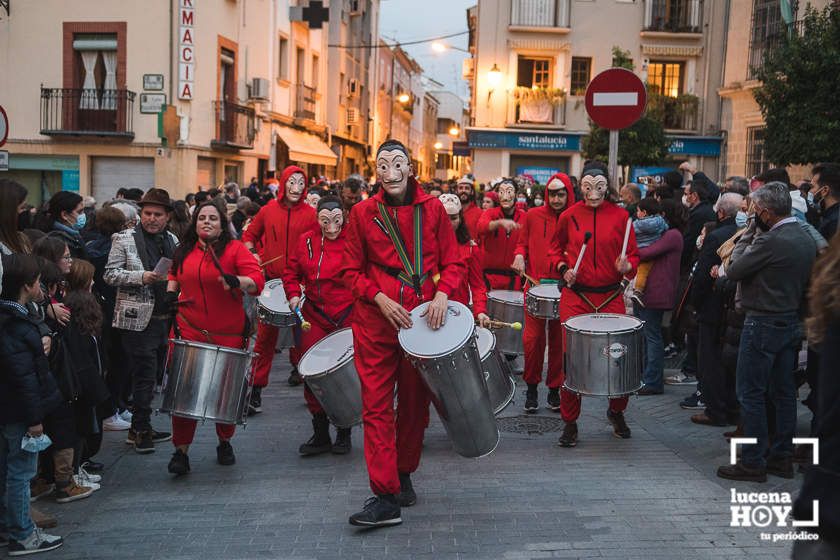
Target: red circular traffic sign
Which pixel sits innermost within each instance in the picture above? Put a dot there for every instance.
(615, 98)
(4, 126)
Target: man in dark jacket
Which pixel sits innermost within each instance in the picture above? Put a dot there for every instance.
(709, 304)
(697, 197)
(825, 186)
(27, 394)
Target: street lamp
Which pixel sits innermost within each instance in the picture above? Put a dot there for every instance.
(440, 47)
(403, 98)
(438, 145)
(454, 131)
(494, 78)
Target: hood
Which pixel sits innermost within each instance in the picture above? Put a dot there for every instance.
(567, 183)
(797, 202)
(284, 176)
(420, 195)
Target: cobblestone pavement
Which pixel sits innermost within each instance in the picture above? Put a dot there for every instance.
(654, 496)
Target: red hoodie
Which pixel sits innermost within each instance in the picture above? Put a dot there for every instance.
(537, 232)
(277, 227)
(499, 246)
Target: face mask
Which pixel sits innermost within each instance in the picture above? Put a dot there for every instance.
(538, 202)
(741, 219)
(699, 242)
(35, 444)
(761, 224)
(81, 220)
(522, 200)
(810, 198)
(685, 201)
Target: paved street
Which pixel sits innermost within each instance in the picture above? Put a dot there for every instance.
(654, 496)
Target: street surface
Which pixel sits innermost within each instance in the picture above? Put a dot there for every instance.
(654, 496)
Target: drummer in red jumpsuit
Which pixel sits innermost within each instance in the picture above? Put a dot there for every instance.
(498, 231)
(276, 230)
(315, 264)
(388, 280)
(597, 286)
(532, 258)
(212, 272)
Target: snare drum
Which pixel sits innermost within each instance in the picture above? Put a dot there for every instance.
(448, 361)
(507, 306)
(207, 382)
(329, 372)
(605, 354)
(543, 301)
(500, 385)
(274, 310)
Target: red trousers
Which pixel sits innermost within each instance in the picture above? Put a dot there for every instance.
(308, 339)
(572, 304)
(393, 440)
(265, 347)
(533, 342)
(183, 430)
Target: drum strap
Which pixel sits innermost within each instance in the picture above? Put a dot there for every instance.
(616, 293)
(412, 273)
(339, 318)
(501, 272)
(208, 335)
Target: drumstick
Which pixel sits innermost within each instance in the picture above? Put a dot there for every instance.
(517, 326)
(529, 279)
(587, 236)
(304, 324)
(269, 261)
(626, 237)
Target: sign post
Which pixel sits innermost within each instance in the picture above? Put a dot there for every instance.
(615, 99)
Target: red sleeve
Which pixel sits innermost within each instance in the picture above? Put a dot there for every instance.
(632, 253)
(522, 241)
(557, 249)
(452, 268)
(354, 263)
(484, 223)
(476, 279)
(256, 228)
(246, 265)
(293, 275)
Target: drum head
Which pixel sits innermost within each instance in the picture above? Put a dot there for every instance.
(333, 350)
(423, 342)
(507, 296)
(486, 341)
(548, 291)
(603, 323)
(273, 297)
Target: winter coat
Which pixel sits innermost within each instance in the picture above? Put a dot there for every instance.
(707, 301)
(664, 276)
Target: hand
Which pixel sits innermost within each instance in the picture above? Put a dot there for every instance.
(46, 341)
(59, 312)
(509, 225)
(687, 167)
(229, 281)
(257, 256)
(518, 264)
(483, 320)
(393, 312)
(569, 277)
(36, 430)
(622, 265)
(150, 277)
(172, 303)
(293, 303)
(436, 312)
(714, 272)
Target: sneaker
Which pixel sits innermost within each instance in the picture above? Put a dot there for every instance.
(553, 399)
(38, 541)
(780, 466)
(620, 428)
(157, 437)
(39, 488)
(115, 423)
(636, 298)
(706, 420)
(143, 442)
(72, 492)
(378, 511)
(693, 402)
(569, 436)
(670, 351)
(92, 466)
(224, 454)
(255, 404)
(681, 379)
(531, 405)
(126, 415)
(89, 476)
(94, 486)
(294, 378)
(179, 463)
(342, 443)
(407, 496)
(738, 471)
(647, 390)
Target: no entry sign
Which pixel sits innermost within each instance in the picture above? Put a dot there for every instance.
(615, 98)
(4, 126)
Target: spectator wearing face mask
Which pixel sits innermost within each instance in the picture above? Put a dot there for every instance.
(825, 190)
(65, 218)
(697, 198)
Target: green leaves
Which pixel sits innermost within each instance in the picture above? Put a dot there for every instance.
(643, 143)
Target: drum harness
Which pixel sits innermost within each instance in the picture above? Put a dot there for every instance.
(412, 275)
(616, 289)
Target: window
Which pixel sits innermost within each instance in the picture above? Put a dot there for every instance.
(534, 72)
(443, 125)
(95, 56)
(665, 78)
(756, 158)
(315, 69)
(581, 68)
(283, 59)
(767, 30)
(300, 62)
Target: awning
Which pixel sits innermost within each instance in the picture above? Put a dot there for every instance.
(306, 148)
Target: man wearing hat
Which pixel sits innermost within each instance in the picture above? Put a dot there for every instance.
(141, 309)
(465, 189)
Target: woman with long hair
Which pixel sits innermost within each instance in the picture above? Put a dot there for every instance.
(179, 223)
(212, 271)
(65, 218)
(12, 204)
(55, 250)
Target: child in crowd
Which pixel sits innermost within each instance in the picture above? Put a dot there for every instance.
(649, 226)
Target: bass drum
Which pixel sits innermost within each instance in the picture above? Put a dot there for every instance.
(500, 384)
(507, 306)
(329, 372)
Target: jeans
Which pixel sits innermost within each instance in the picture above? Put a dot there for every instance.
(654, 346)
(144, 353)
(17, 467)
(766, 359)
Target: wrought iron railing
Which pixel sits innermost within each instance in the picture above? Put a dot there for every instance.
(305, 102)
(676, 113)
(537, 113)
(539, 13)
(675, 16)
(78, 112)
(234, 125)
(765, 39)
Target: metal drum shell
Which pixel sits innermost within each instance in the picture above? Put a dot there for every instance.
(508, 341)
(207, 382)
(501, 386)
(602, 363)
(542, 307)
(338, 388)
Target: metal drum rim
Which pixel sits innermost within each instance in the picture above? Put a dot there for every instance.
(334, 368)
(587, 331)
(463, 341)
(217, 347)
(492, 346)
(504, 301)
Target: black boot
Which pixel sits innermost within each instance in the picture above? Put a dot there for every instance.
(224, 453)
(379, 511)
(294, 378)
(531, 405)
(179, 464)
(320, 441)
(342, 443)
(255, 404)
(407, 496)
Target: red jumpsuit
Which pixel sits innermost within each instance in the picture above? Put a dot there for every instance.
(472, 214)
(315, 264)
(471, 290)
(369, 262)
(607, 224)
(498, 249)
(276, 229)
(214, 309)
(534, 240)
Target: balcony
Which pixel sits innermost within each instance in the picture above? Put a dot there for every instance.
(234, 126)
(549, 16)
(537, 108)
(87, 112)
(678, 114)
(304, 102)
(667, 17)
(766, 38)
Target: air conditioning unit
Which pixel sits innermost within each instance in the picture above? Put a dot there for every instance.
(259, 89)
(355, 7)
(352, 115)
(468, 68)
(352, 87)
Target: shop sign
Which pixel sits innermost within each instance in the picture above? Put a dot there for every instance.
(695, 145)
(4, 160)
(186, 49)
(70, 180)
(523, 140)
(540, 174)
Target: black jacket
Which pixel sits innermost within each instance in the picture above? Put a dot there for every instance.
(697, 216)
(707, 301)
(27, 390)
(828, 222)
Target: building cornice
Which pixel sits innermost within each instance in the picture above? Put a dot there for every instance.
(539, 44)
(672, 50)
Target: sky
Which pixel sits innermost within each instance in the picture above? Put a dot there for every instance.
(410, 20)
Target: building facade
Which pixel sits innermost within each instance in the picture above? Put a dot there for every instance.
(450, 136)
